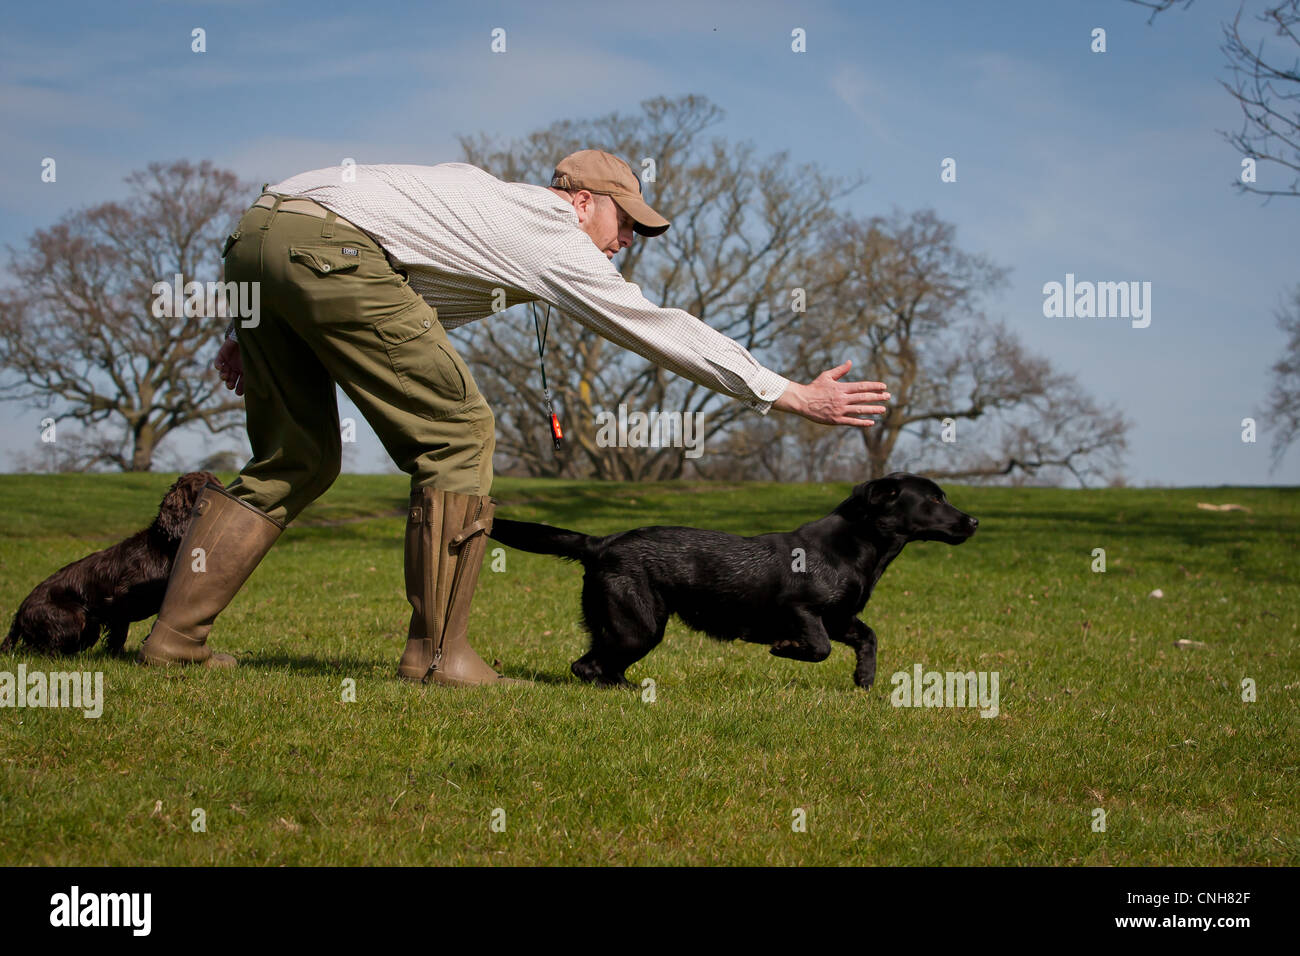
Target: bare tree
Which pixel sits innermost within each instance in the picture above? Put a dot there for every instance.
(1283, 407)
(60, 450)
(1159, 6)
(1054, 428)
(744, 229)
(752, 241)
(78, 332)
(1268, 91)
(784, 448)
(897, 293)
(1265, 81)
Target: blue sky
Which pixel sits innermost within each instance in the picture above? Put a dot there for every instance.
(1108, 166)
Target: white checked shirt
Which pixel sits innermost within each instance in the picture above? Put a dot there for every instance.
(460, 233)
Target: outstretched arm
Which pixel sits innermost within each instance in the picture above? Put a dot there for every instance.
(585, 286)
(829, 401)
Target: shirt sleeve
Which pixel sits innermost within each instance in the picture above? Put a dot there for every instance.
(579, 281)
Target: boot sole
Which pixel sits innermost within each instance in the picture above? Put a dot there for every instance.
(500, 681)
(215, 662)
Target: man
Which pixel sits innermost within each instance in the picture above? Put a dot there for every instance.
(361, 269)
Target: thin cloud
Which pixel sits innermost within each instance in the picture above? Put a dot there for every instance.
(864, 97)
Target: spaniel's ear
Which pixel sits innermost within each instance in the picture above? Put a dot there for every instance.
(178, 504)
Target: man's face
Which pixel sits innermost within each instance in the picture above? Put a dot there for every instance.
(609, 227)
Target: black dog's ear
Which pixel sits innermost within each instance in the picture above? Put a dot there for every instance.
(869, 496)
(881, 491)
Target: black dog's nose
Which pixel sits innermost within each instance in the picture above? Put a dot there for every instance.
(974, 523)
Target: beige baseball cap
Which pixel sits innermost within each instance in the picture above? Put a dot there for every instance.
(605, 174)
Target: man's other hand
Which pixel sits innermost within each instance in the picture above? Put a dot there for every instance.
(230, 366)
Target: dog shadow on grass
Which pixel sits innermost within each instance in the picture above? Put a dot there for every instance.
(260, 663)
(354, 666)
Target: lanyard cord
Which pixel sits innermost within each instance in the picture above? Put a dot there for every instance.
(541, 341)
(542, 333)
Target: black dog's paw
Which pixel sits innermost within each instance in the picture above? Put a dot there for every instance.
(620, 682)
(583, 669)
(591, 672)
(790, 649)
(864, 674)
(797, 651)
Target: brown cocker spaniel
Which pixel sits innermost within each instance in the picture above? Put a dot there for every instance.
(109, 589)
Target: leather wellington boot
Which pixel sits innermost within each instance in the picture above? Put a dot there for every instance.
(446, 538)
(234, 537)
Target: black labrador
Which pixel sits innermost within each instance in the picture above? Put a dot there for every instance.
(796, 591)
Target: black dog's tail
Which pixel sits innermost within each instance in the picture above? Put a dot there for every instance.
(541, 539)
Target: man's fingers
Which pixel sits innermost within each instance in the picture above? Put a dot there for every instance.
(839, 371)
(858, 389)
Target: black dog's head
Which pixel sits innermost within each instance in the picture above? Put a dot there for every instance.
(174, 512)
(907, 506)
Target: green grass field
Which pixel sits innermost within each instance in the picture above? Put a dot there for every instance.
(1098, 709)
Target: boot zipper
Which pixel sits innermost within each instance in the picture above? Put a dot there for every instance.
(455, 581)
(437, 656)
(451, 597)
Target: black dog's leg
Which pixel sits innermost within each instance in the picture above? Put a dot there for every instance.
(625, 623)
(862, 639)
(812, 644)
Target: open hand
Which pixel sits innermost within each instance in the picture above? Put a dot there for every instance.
(829, 401)
(230, 366)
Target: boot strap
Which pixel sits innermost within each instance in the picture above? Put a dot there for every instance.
(469, 531)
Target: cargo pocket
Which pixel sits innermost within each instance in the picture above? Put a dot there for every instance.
(422, 361)
(324, 261)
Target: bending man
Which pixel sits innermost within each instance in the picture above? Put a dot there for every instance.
(360, 269)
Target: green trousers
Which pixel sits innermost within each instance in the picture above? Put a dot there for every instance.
(332, 309)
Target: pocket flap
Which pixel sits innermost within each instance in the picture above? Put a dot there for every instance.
(407, 324)
(323, 260)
